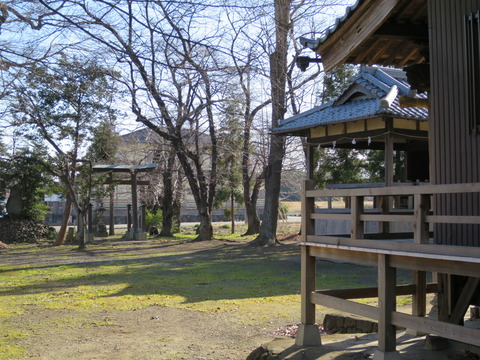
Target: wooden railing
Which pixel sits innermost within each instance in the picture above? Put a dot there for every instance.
(417, 254)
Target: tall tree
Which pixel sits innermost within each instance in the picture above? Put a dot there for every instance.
(59, 106)
(230, 145)
(278, 79)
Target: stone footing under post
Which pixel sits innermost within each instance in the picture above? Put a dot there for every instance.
(308, 335)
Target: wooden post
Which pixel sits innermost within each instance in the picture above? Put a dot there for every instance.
(389, 170)
(308, 333)
(134, 203)
(419, 298)
(356, 224)
(421, 236)
(420, 227)
(387, 278)
(143, 216)
(384, 209)
(308, 207)
(129, 218)
(111, 218)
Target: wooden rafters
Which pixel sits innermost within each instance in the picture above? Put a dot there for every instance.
(389, 33)
(340, 44)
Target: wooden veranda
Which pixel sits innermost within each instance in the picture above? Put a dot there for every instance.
(417, 253)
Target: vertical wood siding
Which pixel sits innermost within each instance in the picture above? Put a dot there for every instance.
(454, 151)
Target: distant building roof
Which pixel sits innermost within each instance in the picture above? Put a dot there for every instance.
(375, 92)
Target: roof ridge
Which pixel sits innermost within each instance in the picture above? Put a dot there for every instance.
(305, 113)
(391, 80)
(377, 82)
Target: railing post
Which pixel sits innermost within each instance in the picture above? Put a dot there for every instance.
(308, 207)
(308, 333)
(421, 236)
(384, 209)
(356, 210)
(387, 278)
(421, 208)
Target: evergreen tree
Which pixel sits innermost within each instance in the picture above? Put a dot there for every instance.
(60, 106)
(229, 185)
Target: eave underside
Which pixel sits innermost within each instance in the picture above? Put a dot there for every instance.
(381, 32)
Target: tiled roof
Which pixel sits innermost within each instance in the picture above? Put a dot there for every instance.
(382, 88)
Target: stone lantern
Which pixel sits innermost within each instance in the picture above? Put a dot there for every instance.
(101, 227)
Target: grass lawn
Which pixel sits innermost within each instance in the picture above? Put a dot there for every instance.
(225, 278)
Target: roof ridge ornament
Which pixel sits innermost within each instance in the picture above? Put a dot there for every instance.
(387, 101)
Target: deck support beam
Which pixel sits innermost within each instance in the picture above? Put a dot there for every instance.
(308, 333)
(387, 277)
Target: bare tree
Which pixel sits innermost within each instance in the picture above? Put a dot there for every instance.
(170, 76)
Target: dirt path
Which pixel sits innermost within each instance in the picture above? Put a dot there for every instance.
(152, 333)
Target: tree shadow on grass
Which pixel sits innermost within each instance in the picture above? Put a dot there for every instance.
(219, 273)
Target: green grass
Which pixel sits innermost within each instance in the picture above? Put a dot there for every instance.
(251, 285)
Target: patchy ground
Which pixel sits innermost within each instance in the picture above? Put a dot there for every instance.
(52, 307)
(155, 299)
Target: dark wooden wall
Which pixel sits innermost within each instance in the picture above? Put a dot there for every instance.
(454, 151)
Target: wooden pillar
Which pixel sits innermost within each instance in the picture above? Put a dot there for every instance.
(111, 219)
(384, 209)
(389, 169)
(308, 207)
(310, 156)
(385, 201)
(134, 203)
(421, 208)
(129, 217)
(143, 215)
(387, 278)
(308, 333)
(419, 298)
(421, 236)
(356, 205)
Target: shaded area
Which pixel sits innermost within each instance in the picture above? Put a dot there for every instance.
(222, 271)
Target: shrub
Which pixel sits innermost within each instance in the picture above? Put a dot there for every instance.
(16, 230)
(153, 219)
(283, 210)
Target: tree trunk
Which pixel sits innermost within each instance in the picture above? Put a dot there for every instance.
(82, 239)
(205, 229)
(278, 71)
(268, 229)
(81, 225)
(63, 226)
(253, 221)
(167, 198)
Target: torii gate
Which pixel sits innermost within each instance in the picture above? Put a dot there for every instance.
(136, 233)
